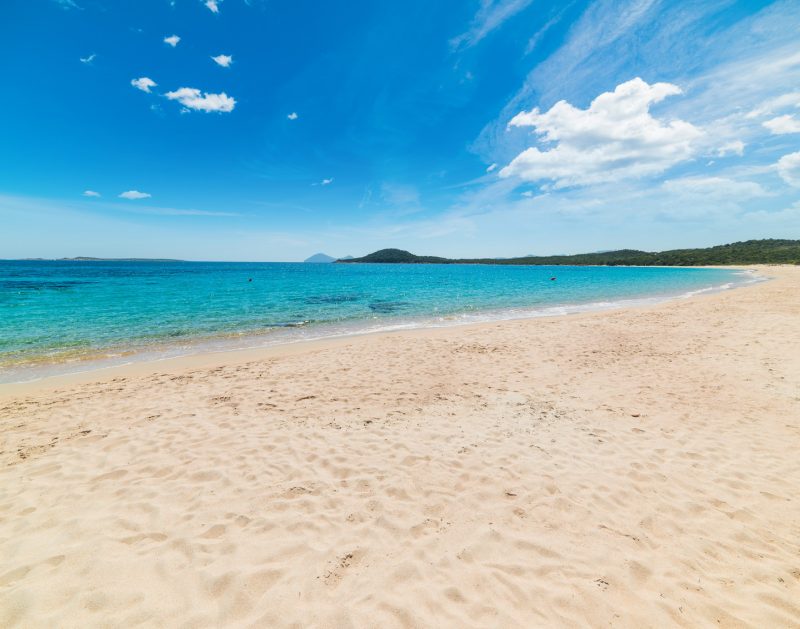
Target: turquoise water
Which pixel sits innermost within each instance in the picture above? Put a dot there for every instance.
(64, 313)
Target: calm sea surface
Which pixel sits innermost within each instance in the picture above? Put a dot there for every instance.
(65, 316)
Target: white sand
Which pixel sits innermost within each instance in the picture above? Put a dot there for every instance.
(636, 468)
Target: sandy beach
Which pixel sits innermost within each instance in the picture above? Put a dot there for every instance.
(630, 468)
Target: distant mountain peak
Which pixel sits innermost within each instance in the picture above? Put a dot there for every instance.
(320, 258)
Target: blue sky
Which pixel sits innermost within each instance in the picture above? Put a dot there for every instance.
(272, 130)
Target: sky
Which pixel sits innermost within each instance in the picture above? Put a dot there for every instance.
(265, 130)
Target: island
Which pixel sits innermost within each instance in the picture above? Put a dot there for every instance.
(90, 259)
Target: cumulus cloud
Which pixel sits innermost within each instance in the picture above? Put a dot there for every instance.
(213, 5)
(172, 40)
(90, 193)
(143, 84)
(191, 98)
(326, 182)
(615, 138)
(134, 194)
(223, 60)
(736, 147)
(292, 116)
(782, 125)
(491, 167)
(789, 169)
(88, 59)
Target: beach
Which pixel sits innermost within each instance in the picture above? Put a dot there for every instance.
(636, 467)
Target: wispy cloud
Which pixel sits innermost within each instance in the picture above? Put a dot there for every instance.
(400, 199)
(134, 194)
(491, 15)
(776, 104)
(144, 83)
(223, 60)
(292, 116)
(89, 59)
(533, 42)
(604, 24)
(326, 182)
(68, 4)
(491, 167)
(719, 188)
(213, 5)
(172, 40)
(192, 98)
(91, 193)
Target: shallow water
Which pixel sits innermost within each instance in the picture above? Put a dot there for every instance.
(56, 315)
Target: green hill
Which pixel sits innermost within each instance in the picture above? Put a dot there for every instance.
(769, 251)
(398, 256)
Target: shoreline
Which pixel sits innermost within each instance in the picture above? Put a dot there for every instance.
(635, 467)
(214, 346)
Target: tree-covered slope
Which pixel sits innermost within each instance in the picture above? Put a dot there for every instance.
(770, 251)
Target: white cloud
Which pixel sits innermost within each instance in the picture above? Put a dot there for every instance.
(326, 182)
(213, 5)
(784, 101)
(491, 167)
(223, 60)
(90, 193)
(292, 116)
(782, 125)
(134, 194)
(615, 138)
(143, 84)
(88, 59)
(735, 147)
(527, 193)
(172, 40)
(720, 86)
(714, 188)
(191, 98)
(789, 169)
(491, 15)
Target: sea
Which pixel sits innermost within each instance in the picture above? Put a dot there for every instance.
(67, 316)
